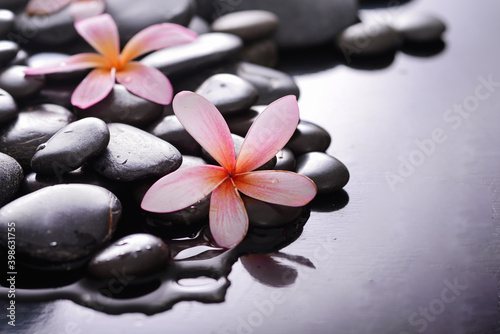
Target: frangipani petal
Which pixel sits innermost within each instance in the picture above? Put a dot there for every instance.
(156, 37)
(228, 217)
(95, 87)
(207, 126)
(179, 189)
(272, 129)
(76, 62)
(277, 187)
(101, 32)
(44, 7)
(147, 82)
(84, 9)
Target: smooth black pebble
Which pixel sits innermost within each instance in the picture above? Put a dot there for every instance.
(43, 59)
(329, 173)
(248, 25)
(419, 27)
(8, 51)
(309, 137)
(60, 224)
(11, 177)
(121, 106)
(71, 146)
(285, 160)
(229, 93)
(367, 39)
(19, 85)
(6, 22)
(134, 154)
(171, 130)
(136, 255)
(208, 50)
(8, 107)
(32, 127)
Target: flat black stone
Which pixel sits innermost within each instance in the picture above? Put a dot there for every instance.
(6, 22)
(33, 126)
(301, 23)
(171, 130)
(134, 154)
(329, 173)
(8, 107)
(240, 123)
(71, 146)
(285, 160)
(248, 25)
(419, 27)
(8, 51)
(123, 107)
(136, 255)
(11, 176)
(309, 137)
(14, 81)
(367, 39)
(208, 50)
(271, 84)
(132, 16)
(238, 141)
(229, 93)
(60, 224)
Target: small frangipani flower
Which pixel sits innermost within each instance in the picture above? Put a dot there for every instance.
(109, 64)
(265, 138)
(79, 9)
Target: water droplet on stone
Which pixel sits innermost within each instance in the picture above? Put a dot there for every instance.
(53, 244)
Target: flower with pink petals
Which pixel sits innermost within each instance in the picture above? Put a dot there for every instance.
(265, 138)
(109, 64)
(79, 9)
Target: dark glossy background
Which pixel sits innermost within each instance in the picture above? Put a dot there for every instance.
(422, 256)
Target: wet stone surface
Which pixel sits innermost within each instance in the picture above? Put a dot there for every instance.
(285, 160)
(136, 255)
(262, 214)
(33, 127)
(328, 173)
(6, 22)
(229, 93)
(60, 224)
(71, 147)
(133, 154)
(171, 130)
(11, 176)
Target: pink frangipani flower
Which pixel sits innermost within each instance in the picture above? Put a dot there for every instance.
(102, 33)
(79, 9)
(265, 138)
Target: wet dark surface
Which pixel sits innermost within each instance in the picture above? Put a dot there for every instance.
(412, 245)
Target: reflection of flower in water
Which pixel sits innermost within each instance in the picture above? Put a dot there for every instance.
(265, 269)
(79, 9)
(201, 277)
